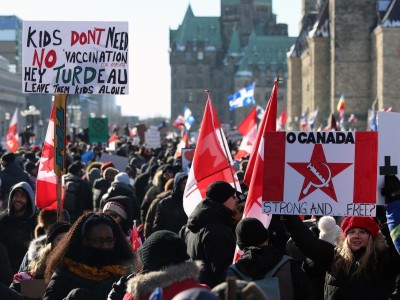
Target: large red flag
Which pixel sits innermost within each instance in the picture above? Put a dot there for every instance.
(211, 161)
(248, 128)
(12, 142)
(46, 183)
(255, 168)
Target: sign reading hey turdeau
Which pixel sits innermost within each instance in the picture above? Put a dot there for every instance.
(320, 173)
(75, 57)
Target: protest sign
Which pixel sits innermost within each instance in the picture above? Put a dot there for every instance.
(187, 158)
(389, 148)
(320, 173)
(75, 57)
(152, 138)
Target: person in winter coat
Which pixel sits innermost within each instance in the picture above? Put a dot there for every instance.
(11, 174)
(166, 265)
(101, 185)
(163, 174)
(77, 192)
(88, 260)
(17, 223)
(210, 232)
(359, 267)
(391, 191)
(121, 187)
(151, 213)
(259, 258)
(121, 209)
(170, 214)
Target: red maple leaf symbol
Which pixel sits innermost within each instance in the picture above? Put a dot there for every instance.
(318, 173)
(47, 157)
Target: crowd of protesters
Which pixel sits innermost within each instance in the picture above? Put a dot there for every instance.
(87, 251)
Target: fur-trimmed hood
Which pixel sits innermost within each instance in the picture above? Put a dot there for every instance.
(144, 284)
(35, 246)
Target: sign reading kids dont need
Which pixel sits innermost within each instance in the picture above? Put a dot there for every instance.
(75, 57)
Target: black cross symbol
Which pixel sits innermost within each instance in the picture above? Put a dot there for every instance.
(387, 169)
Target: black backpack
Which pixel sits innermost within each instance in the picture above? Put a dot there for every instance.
(71, 188)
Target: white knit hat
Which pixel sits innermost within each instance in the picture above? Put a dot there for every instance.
(122, 177)
(115, 207)
(328, 229)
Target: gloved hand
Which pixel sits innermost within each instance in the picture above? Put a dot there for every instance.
(391, 188)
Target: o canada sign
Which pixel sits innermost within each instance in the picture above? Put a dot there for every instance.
(75, 57)
(320, 173)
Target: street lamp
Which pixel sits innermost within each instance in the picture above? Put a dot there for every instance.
(28, 135)
(32, 111)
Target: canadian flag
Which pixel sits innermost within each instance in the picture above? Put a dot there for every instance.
(12, 142)
(212, 160)
(248, 128)
(136, 240)
(46, 183)
(253, 177)
(184, 143)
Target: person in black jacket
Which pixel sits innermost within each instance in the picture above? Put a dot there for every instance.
(259, 257)
(210, 232)
(18, 222)
(170, 214)
(359, 267)
(93, 255)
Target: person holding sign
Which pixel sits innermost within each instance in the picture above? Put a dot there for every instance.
(359, 267)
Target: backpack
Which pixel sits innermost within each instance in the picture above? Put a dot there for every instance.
(269, 284)
(71, 188)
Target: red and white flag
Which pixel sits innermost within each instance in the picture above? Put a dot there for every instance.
(184, 143)
(212, 160)
(253, 177)
(12, 142)
(136, 240)
(248, 128)
(112, 141)
(321, 173)
(282, 121)
(46, 183)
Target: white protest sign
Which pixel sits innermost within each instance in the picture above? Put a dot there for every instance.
(120, 162)
(75, 57)
(152, 138)
(320, 173)
(389, 148)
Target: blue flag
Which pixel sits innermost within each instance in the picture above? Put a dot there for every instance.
(188, 117)
(242, 98)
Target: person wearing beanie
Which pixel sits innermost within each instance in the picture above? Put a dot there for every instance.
(166, 265)
(259, 258)
(78, 195)
(210, 232)
(360, 266)
(121, 187)
(102, 184)
(121, 209)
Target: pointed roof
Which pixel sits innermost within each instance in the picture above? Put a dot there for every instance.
(234, 48)
(238, 1)
(268, 51)
(392, 16)
(201, 29)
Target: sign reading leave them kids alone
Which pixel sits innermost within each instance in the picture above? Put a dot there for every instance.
(75, 57)
(320, 173)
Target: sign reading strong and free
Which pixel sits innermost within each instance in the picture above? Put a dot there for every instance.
(75, 57)
(320, 173)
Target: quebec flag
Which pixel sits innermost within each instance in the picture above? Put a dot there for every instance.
(243, 97)
(188, 117)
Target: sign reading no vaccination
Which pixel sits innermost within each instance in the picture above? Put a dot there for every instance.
(98, 130)
(320, 173)
(75, 57)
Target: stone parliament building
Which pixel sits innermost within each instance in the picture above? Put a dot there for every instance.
(348, 48)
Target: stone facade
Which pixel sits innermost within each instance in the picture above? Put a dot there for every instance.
(347, 51)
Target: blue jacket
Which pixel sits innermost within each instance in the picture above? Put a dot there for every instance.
(393, 221)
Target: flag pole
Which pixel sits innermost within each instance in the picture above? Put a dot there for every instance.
(225, 148)
(60, 121)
